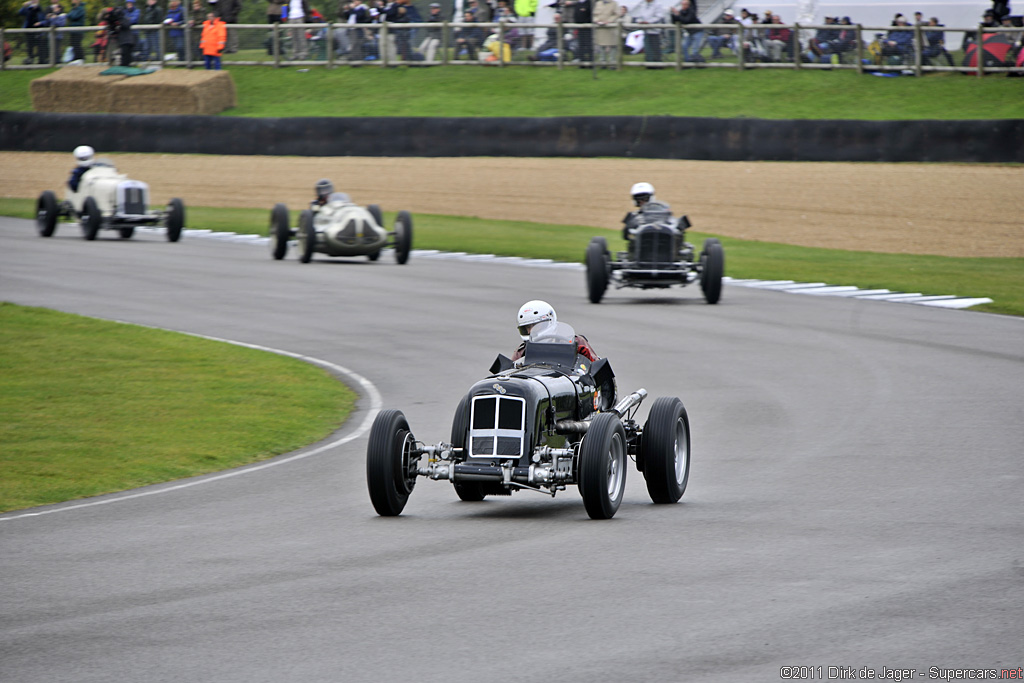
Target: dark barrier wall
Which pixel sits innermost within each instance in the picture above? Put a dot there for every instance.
(661, 137)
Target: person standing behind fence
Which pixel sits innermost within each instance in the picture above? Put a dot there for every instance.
(228, 11)
(298, 11)
(76, 17)
(274, 8)
(693, 40)
(723, 37)
(151, 14)
(607, 36)
(650, 12)
(174, 20)
(213, 40)
(32, 16)
(432, 40)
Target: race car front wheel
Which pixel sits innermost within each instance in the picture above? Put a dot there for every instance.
(279, 232)
(597, 269)
(91, 219)
(666, 450)
(46, 214)
(175, 219)
(403, 236)
(712, 261)
(390, 465)
(469, 491)
(307, 236)
(602, 466)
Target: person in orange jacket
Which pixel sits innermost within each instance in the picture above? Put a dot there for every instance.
(214, 37)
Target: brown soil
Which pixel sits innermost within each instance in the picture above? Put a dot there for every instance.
(953, 210)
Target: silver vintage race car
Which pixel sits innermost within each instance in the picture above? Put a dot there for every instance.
(340, 228)
(108, 200)
(546, 423)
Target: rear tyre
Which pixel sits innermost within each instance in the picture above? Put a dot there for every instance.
(377, 215)
(374, 256)
(126, 233)
(469, 491)
(175, 219)
(666, 450)
(390, 466)
(307, 236)
(403, 236)
(279, 232)
(712, 261)
(46, 214)
(602, 466)
(91, 219)
(597, 269)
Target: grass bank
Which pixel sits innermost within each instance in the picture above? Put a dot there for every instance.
(1001, 279)
(90, 407)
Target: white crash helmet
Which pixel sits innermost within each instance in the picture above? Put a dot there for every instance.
(83, 154)
(645, 190)
(531, 313)
(324, 187)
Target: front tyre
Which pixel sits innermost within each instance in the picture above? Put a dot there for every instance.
(390, 466)
(126, 233)
(597, 269)
(175, 219)
(666, 450)
(280, 232)
(91, 219)
(307, 236)
(469, 491)
(712, 261)
(46, 214)
(403, 236)
(602, 466)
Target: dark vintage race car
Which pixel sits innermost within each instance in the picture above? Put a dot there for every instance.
(544, 424)
(657, 257)
(340, 228)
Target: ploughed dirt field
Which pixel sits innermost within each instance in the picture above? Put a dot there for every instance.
(946, 209)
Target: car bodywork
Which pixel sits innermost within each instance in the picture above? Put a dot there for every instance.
(340, 228)
(550, 422)
(108, 200)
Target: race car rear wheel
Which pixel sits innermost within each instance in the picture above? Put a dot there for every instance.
(126, 233)
(469, 491)
(377, 215)
(373, 256)
(46, 214)
(390, 465)
(665, 450)
(175, 219)
(279, 232)
(307, 236)
(712, 260)
(597, 269)
(403, 236)
(91, 219)
(602, 466)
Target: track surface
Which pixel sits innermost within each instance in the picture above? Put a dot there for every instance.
(855, 497)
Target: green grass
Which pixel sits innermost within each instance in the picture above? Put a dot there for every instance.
(91, 407)
(522, 91)
(1001, 279)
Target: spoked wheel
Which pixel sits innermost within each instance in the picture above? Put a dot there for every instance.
(712, 259)
(307, 236)
(91, 219)
(597, 269)
(279, 232)
(403, 236)
(126, 233)
(666, 450)
(602, 466)
(175, 219)
(469, 491)
(46, 214)
(390, 465)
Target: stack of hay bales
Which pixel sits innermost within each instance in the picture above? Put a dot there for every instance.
(167, 91)
(73, 89)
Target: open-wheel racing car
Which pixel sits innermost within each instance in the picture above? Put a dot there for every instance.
(108, 200)
(542, 425)
(340, 228)
(658, 256)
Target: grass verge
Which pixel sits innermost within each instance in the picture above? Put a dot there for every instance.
(90, 406)
(1001, 279)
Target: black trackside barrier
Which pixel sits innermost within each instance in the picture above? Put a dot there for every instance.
(661, 137)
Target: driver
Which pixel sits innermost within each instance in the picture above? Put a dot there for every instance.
(84, 159)
(324, 188)
(536, 311)
(648, 209)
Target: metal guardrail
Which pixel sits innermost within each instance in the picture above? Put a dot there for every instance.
(498, 44)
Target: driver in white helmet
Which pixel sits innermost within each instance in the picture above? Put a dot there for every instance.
(83, 162)
(536, 311)
(324, 189)
(648, 209)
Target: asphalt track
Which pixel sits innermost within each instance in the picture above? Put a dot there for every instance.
(855, 497)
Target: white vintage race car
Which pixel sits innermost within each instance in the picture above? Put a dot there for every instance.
(108, 200)
(340, 228)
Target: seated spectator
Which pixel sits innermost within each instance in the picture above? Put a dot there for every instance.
(693, 36)
(468, 39)
(432, 37)
(898, 45)
(935, 44)
(719, 38)
(779, 41)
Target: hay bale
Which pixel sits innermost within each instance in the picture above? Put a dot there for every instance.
(172, 91)
(73, 89)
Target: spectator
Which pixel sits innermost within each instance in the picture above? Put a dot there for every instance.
(274, 8)
(608, 36)
(432, 39)
(132, 12)
(820, 46)
(935, 43)
(753, 45)
(899, 43)
(918, 19)
(646, 13)
(468, 38)
(194, 27)
(693, 37)
(76, 17)
(723, 37)
(32, 16)
(298, 11)
(149, 40)
(779, 41)
(583, 13)
(358, 16)
(526, 12)
(1000, 10)
(228, 10)
(175, 20)
(119, 29)
(213, 40)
